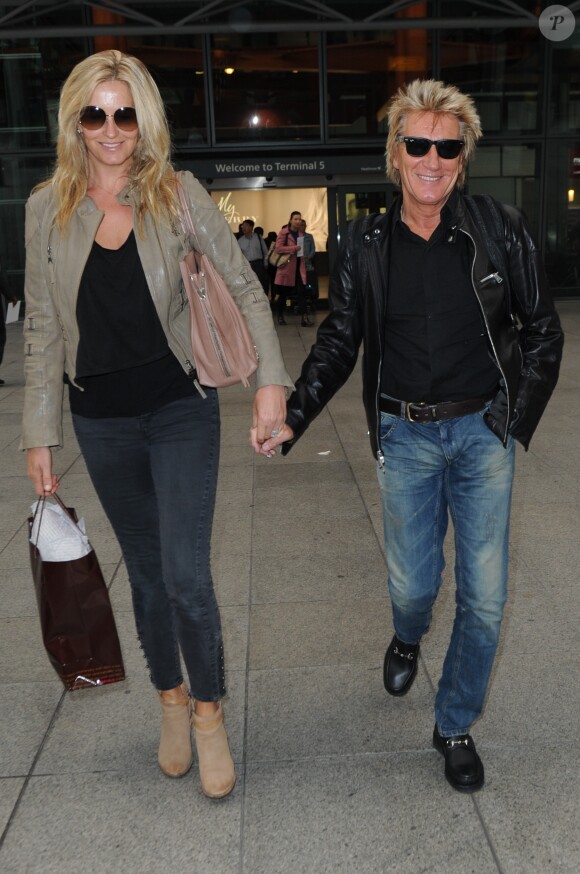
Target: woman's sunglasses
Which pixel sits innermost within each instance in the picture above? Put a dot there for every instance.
(94, 118)
(417, 147)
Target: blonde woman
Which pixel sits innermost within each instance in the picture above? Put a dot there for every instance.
(105, 308)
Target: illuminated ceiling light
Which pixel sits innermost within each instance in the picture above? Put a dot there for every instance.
(229, 70)
(571, 195)
(199, 72)
(255, 119)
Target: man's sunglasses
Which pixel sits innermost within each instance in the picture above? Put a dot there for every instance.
(94, 118)
(417, 147)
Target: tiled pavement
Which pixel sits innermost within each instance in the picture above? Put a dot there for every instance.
(334, 775)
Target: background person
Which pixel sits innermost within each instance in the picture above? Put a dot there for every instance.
(449, 384)
(255, 250)
(106, 229)
(270, 242)
(291, 277)
(309, 250)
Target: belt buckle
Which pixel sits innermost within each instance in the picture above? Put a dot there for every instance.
(408, 406)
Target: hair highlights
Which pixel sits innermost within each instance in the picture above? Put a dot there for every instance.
(429, 95)
(151, 172)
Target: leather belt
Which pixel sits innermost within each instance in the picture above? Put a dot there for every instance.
(421, 412)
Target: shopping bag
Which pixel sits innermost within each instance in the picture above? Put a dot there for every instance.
(76, 618)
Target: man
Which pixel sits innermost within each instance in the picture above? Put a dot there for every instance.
(5, 291)
(436, 290)
(309, 251)
(255, 250)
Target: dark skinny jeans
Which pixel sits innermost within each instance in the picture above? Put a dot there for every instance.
(156, 477)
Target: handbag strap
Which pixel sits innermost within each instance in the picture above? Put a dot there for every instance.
(185, 214)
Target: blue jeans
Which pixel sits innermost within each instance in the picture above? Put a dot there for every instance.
(431, 471)
(156, 477)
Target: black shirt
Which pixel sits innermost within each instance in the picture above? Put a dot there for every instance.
(435, 342)
(124, 363)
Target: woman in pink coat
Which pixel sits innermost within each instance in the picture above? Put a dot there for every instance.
(292, 276)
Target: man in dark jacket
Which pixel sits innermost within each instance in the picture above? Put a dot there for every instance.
(462, 348)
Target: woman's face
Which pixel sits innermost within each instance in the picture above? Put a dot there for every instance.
(109, 146)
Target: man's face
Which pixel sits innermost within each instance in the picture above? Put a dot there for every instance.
(302, 226)
(429, 180)
(247, 228)
(295, 222)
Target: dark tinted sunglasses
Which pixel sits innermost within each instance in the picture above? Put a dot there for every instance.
(417, 147)
(94, 118)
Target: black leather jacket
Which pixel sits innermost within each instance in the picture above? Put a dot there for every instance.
(524, 334)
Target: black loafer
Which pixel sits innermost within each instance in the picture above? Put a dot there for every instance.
(400, 666)
(463, 767)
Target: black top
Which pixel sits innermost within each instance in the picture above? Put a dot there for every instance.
(435, 342)
(124, 363)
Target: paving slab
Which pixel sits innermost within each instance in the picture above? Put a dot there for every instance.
(334, 711)
(118, 821)
(116, 728)
(311, 633)
(531, 808)
(26, 711)
(345, 575)
(370, 815)
(10, 789)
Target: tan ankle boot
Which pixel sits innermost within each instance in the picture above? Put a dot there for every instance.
(175, 754)
(216, 768)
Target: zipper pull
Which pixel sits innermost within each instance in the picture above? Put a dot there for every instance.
(381, 459)
(493, 277)
(192, 373)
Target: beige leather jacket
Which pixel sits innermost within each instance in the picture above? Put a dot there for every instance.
(54, 267)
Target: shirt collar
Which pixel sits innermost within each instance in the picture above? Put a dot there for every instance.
(448, 212)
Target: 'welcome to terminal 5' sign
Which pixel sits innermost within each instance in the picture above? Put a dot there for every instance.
(291, 166)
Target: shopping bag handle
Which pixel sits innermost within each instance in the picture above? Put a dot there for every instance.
(40, 506)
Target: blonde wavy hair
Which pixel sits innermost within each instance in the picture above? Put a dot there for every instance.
(429, 95)
(151, 172)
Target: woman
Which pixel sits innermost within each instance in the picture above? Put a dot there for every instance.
(292, 276)
(105, 306)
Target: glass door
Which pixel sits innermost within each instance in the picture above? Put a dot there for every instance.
(357, 201)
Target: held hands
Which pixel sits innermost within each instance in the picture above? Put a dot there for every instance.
(40, 470)
(268, 447)
(268, 429)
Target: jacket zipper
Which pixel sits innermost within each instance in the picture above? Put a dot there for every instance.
(495, 277)
(192, 374)
(376, 280)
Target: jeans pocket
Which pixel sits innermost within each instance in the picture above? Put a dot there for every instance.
(389, 423)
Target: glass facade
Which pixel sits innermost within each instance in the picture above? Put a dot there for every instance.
(265, 87)
(177, 64)
(510, 173)
(362, 70)
(304, 92)
(503, 71)
(565, 90)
